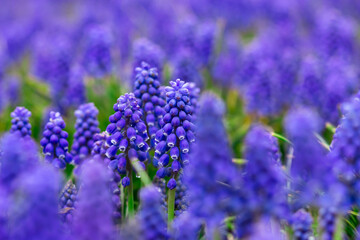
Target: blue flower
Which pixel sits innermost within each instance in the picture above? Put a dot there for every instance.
(301, 223)
(54, 141)
(67, 201)
(177, 130)
(211, 178)
(17, 155)
(93, 215)
(86, 127)
(97, 59)
(147, 90)
(34, 212)
(151, 216)
(127, 134)
(20, 122)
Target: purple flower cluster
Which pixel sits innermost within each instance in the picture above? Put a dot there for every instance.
(301, 223)
(150, 216)
(86, 127)
(176, 133)
(20, 122)
(93, 215)
(261, 169)
(310, 164)
(34, 212)
(67, 201)
(127, 134)
(327, 222)
(17, 156)
(346, 152)
(146, 51)
(97, 59)
(54, 141)
(148, 93)
(210, 192)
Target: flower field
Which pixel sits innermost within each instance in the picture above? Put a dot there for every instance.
(176, 120)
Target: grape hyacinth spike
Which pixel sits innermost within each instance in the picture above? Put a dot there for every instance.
(54, 141)
(20, 122)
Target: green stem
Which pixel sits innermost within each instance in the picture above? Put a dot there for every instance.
(171, 206)
(130, 195)
(339, 228)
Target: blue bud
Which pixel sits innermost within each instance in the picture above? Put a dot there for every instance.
(171, 184)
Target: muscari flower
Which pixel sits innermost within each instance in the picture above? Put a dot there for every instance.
(176, 133)
(212, 191)
(301, 223)
(146, 51)
(97, 59)
(17, 155)
(327, 222)
(52, 60)
(311, 170)
(186, 226)
(264, 181)
(261, 169)
(34, 212)
(127, 133)
(336, 34)
(67, 201)
(151, 216)
(54, 141)
(4, 207)
(148, 93)
(98, 153)
(20, 122)
(346, 152)
(76, 94)
(93, 215)
(86, 127)
(205, 43)
(186, 68)
(227, 64)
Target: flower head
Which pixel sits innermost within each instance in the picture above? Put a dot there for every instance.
(150, 216)
(147, 90)
(54, 141)
(20, 122)
(34, 212)
(67, 201)
(177, 130)
(93, 215)
(97, 59)
(301, 223)
(211, 191)
(17, 155)
(86, 127)
(127, 134)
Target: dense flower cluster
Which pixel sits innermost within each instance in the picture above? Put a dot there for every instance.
(17, 156)
(54, 141)
(97, 59)
(286, 73)
(86, 126)
(310, 164)
(262, 168)
(151, 217)
(176, 133)
(34, 211)
(148, 93)
(301, 222)
(67, 201)
(20, 121)
(93, 215)
(209, 192)
(346, 152)
(327, 222)
(127, 134)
